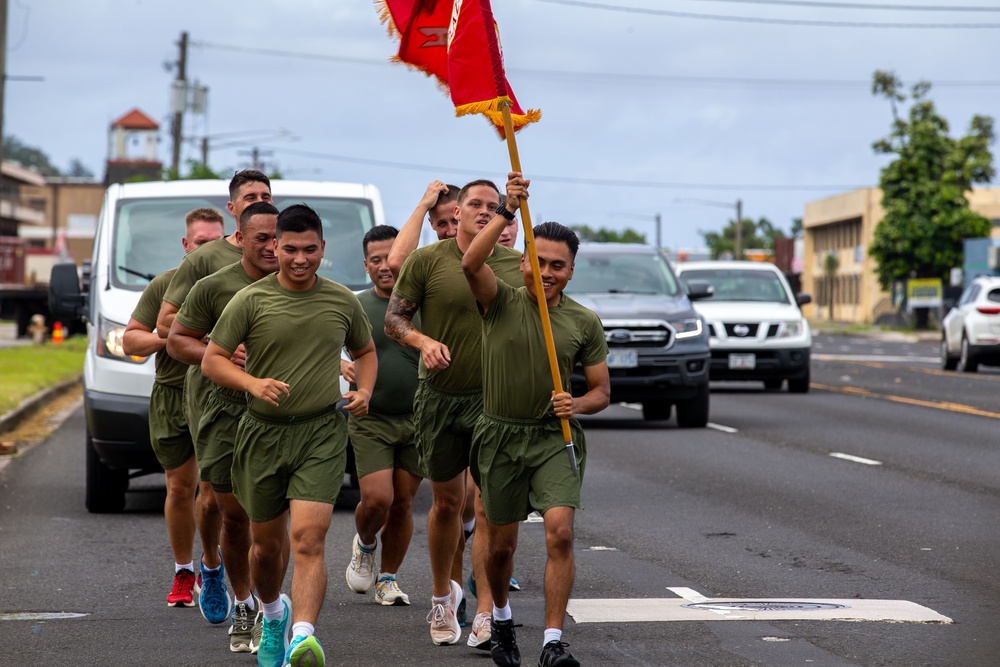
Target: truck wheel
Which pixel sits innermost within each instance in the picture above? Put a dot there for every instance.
(799, 385)
(656, 410)
(693, 413)
(106, 488)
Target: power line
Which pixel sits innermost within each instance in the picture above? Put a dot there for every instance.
(865, 6)
(572, 180)
(755, 19)
(608, 77)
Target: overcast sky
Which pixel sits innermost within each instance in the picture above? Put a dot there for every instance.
(643, 110)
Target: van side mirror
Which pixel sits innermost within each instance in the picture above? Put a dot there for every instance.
(698, 289)
(802, 298)
(65, 298)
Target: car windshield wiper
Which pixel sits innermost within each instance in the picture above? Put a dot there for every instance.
(147, 276)
(630, 291)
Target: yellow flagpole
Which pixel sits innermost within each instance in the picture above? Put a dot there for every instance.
(543, 309)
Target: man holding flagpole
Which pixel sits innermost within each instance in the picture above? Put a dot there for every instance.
(518, 452)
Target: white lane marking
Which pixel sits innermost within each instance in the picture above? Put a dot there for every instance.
(38, 616)
(602, 549)
(688, 594)
(640, 610)
(855, 459)
(720, 427)
(876, 357)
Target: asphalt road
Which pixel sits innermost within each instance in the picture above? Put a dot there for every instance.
(881, 484)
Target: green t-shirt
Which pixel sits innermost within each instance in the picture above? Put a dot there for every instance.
(294, 337)
(517, 382)
(208, 298)
(432, 277)
(200, 262)
(169, 371)
(397, 365)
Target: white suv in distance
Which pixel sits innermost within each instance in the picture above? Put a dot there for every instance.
(970, 332)
(755, 325)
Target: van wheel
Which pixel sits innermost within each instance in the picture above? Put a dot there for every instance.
(693, 413)
(105, 493)
(656, 410)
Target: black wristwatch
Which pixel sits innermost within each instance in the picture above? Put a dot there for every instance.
(502, 210)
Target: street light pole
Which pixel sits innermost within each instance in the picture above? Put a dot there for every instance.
(659, 236)
(738, 254)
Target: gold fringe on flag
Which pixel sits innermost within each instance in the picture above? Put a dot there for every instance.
(493, 110)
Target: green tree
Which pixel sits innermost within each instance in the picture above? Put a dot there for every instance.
(924, 187)
(758, 235)
(28, 156)
(604, 235)
(196, 170)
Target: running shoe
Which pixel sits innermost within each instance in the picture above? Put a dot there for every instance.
(241, 631)
(387, 593)
(274, 638)
(471, 583)
(481, 631)
(444, 626)
(184, 590)
(214, 601)
(305, 652)
(504, 650)
(514, 586)
(361, 572)
(460, 614)
(257, 631)
(554, 654)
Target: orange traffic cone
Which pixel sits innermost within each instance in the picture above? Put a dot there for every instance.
(57, 332)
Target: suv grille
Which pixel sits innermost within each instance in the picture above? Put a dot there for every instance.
(750, 331)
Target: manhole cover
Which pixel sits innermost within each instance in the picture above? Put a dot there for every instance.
(750, 605)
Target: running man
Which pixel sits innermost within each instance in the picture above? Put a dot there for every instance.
(245, 188)
(519, 455)
(291, 443)
(224, 407)
(168, 427)
(449, 397)
(383, 440)
(438, 204)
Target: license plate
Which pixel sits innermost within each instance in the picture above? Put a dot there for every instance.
(744, 362)
(623, 358)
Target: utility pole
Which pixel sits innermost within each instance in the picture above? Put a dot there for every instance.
(738, 254)
(179, 102)
(659, 235)
(3, 66)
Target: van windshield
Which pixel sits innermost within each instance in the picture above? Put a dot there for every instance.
(148, 236)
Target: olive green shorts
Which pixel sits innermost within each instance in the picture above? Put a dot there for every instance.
(168, 427)
(384, 442)
(197, 387)
(523, 467)
(278, 459)
(217, 437)
(444, 421)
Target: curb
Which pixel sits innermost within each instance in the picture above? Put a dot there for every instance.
(33, 404)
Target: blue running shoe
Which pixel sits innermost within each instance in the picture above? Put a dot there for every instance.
(214, 600)
(305, 652)
(274, 638)
(514, 586)
(471, 583)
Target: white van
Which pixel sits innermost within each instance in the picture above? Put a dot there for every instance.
(138, 237)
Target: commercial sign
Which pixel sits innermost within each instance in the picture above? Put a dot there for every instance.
(924, 293)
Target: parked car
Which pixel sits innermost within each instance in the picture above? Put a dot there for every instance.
(657, 343)
(755, 323)
(970, 332)
(138, 233)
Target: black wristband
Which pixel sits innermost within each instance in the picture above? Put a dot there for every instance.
(502, 210)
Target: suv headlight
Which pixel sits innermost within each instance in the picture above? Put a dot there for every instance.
(109, 342)
(689, 328)
(792, 328)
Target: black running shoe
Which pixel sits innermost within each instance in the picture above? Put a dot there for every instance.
(554, 653)
(504, 651)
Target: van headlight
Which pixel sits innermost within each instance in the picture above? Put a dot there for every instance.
(109, 342)
(792, 328)
(689, 328)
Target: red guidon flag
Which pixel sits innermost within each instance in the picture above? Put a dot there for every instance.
(458, 42)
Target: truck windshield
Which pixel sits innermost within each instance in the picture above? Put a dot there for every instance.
(741, 284)
(621, 273)
(148, 235)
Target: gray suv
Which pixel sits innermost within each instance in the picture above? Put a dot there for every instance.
(658, 352)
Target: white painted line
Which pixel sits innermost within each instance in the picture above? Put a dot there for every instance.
(688, 594)
(876, 357)
(720, 427)
(674, 609)
(38, 616)
(602, 549)
(855, 459)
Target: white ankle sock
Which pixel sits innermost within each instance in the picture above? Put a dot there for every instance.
(502, 614)
(178, 567)
(551, 635)
(273, 611)
(302, 628)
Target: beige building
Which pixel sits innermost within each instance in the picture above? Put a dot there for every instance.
(844, 225)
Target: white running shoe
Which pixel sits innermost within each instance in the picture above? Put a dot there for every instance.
(482, 627)
(387, 593)
(444, 625)
(361, 573)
